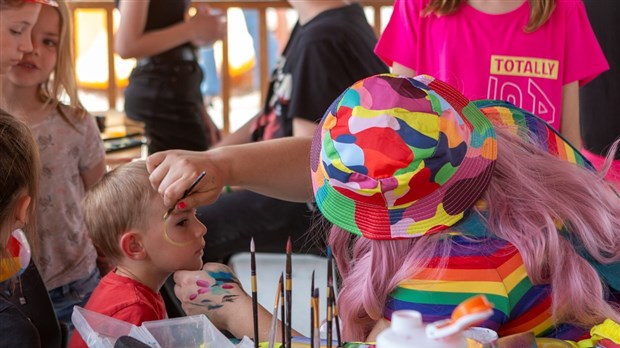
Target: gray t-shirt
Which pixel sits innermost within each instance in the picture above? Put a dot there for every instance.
(66, 253)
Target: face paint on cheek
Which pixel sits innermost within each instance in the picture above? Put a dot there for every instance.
(19, 252)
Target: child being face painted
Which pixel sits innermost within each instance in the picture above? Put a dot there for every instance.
(125, 219)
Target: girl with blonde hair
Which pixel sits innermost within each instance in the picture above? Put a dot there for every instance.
(16, 20)
(72, 157)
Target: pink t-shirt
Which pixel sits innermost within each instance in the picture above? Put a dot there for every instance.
(489, 56)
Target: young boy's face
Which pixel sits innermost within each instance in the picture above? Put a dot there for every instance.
(176, 243)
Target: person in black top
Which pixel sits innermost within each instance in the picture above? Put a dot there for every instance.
(599, 107)
(164, 87)
(330, 47)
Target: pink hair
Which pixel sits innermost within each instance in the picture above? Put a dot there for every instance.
(531, 191)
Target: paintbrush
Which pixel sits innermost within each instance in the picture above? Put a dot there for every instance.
(186, 193)
(282, 315)
(274, 321)
(329, 296)
(254, 292)
(315, 308)
(312, 312)
(289, 292)
(336, 317)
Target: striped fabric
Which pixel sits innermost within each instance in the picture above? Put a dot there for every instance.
(522, 122)
(477, 264)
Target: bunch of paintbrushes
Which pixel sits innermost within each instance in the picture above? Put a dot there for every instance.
(332, 309)
(283, 300)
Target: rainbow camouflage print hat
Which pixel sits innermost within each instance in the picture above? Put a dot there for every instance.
(398, 157)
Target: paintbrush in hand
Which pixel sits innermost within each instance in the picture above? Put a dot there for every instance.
(186, 193)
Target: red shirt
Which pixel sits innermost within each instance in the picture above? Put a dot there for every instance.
(124, 299)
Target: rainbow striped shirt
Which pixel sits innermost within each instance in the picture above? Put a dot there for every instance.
(478, 264)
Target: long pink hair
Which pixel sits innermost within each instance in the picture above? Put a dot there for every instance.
(530, 194)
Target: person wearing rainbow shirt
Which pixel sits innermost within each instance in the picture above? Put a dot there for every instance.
(432, 198)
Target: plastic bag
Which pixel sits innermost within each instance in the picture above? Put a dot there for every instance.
(101, 331)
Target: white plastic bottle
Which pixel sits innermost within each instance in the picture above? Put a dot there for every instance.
(407, 331)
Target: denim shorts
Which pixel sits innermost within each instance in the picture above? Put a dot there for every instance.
(75, 293)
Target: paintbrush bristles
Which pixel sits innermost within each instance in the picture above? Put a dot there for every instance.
(253, 264)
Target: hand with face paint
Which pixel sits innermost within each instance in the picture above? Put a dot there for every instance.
(214, 291)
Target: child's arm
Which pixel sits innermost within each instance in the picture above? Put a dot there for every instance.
(242, 135)
(402, 70)
(92, 175)
(216, 292)
(569, 122)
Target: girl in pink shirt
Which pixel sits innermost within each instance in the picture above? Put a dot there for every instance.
(534, 54)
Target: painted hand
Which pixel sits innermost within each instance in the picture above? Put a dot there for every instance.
(214, 291)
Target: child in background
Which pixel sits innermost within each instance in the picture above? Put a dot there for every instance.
(124, 218)
(534, 54)
(72, 156)
(19, 182)
(164, 87)
(16, 20)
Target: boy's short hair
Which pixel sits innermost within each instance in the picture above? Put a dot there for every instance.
(118, 203)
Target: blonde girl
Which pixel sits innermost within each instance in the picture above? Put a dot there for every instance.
(72, 157)
(16, 20)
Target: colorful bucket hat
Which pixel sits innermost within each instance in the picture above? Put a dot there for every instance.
(398, 157)
(44, 2)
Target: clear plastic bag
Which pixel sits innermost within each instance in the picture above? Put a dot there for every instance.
(100, 331)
